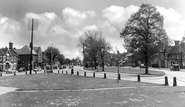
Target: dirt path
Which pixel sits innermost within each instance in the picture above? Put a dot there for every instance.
(4, 90)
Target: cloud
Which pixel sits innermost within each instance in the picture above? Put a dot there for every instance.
(117, 16)
(174, 23)
(75, 17)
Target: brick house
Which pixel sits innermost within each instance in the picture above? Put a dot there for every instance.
(24, 57)
(170, 55)
(8, 58)
(39, 58)
(175, 55)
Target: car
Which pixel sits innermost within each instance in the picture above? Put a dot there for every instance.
(21, 69)
(175, 67)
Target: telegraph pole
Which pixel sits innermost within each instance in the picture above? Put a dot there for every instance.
(31, 46)
(34, 26)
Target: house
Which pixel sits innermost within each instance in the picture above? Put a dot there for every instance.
(24, 57)
(39, 58)
(8, 58)
(175, 55)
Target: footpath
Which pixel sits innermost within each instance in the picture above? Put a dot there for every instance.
(179, 75)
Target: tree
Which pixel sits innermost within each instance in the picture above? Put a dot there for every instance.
(51, 51)
(103, 47)
(89, 44)
(144, 33)
(61, 59)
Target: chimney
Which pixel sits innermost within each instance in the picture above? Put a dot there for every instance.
(10, 45)
(176, 43)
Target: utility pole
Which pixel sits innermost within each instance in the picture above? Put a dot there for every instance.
(32, 27)
(31, 46)
(83, 57)
(51, 59)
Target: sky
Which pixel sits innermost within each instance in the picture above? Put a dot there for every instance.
(62, 22)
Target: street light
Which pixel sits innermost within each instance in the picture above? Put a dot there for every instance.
(32, 25)
(51, 59)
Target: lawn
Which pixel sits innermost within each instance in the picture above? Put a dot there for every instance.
(129, 71)
(61, 90)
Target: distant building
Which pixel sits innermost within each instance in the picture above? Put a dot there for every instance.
(24, 57)
(39, 58)
(170, 55)
(8, 58)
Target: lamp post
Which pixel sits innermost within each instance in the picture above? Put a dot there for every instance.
(32, 25)
(51, 59)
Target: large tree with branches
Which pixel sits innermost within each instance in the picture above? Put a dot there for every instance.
(144, 33)
(94, 47)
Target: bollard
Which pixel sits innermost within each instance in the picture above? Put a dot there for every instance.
(58, 71)
(72, 71)
(1, 74)
(62, 71)
(26, 72)
(138, 78)
(35, 72)
(93, 74)
(84, 73)
(105, 75)
(119, 76)
(66, 72)
(14, 73)
(174, 81)
(77, 73)
(166, 81)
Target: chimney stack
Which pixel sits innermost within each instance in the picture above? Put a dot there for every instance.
(10, 45)
(177, 43)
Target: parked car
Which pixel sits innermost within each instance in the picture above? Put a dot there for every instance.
(21, 69)
(175, 67)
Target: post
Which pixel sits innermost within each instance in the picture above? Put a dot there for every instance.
(31, 46)
(84, 73)
(14, 73)
(1, 74)
(72, 71)
(51, 60)
(83, 57)
(118, 75)
(26, 72)
(138, 78)
(166, 81)
(105, 75)
(58, 71)
(93, 74)
(62, 71)
(77, 73)
(66, 72)
(174, 81)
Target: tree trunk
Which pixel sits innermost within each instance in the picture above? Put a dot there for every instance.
(102, 64)
(95, 64)
(146, 65)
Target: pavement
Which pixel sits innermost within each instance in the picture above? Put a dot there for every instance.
(180, 76)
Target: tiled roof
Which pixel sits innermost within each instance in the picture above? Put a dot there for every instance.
(175, 49)
(2, 53)
(11, 52)
(25, 51)
(36, 49)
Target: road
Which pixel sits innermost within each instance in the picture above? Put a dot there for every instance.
(180, 76)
